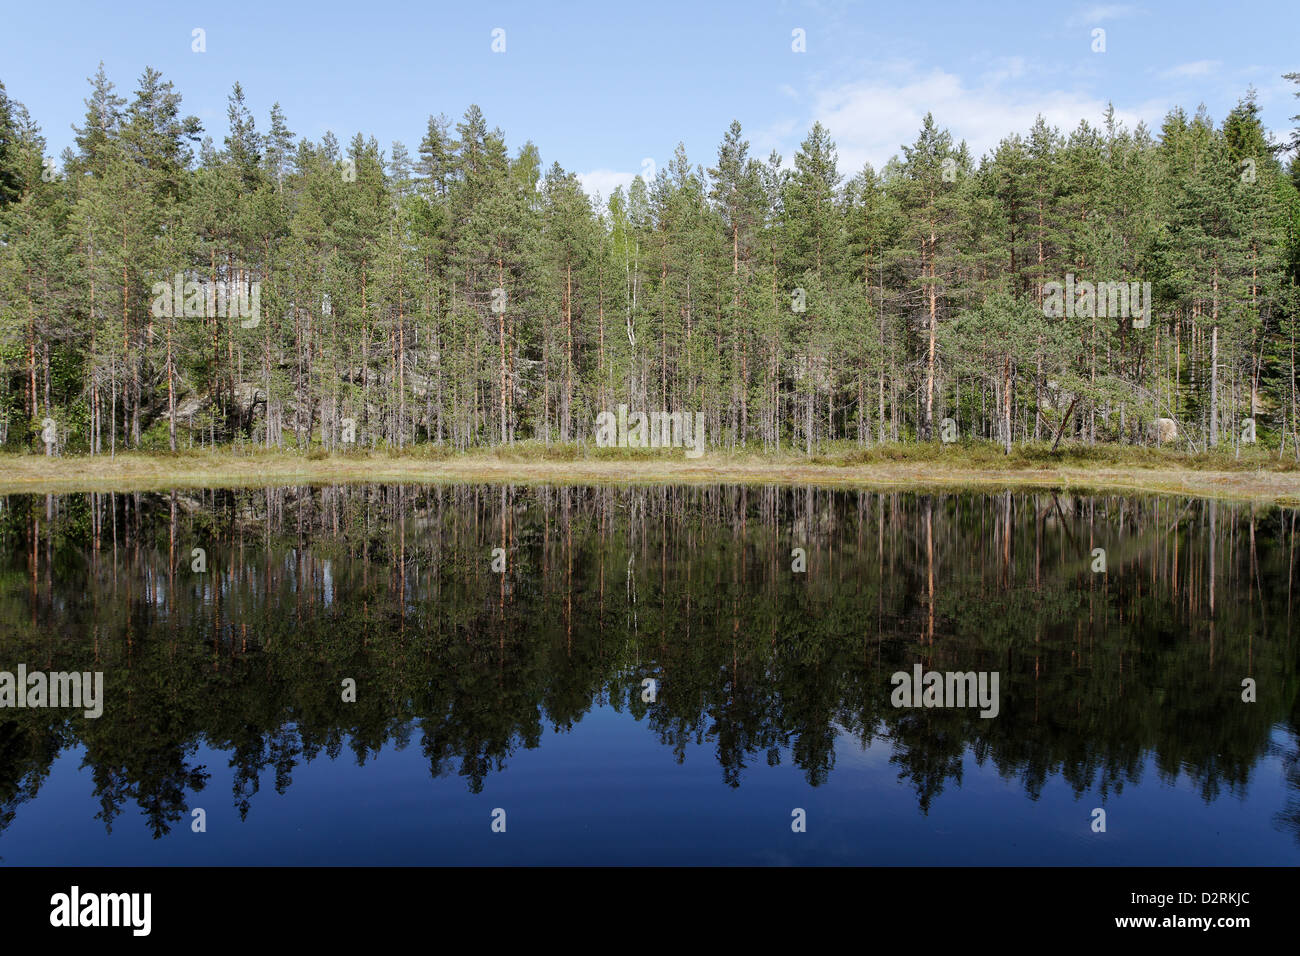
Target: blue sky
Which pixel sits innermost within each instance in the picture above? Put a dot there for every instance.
(600, 88)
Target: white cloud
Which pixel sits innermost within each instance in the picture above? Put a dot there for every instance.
(605, 181)
(777, 135)
(871, 119)
(1005, 68)
(1195, 68)
(1099, 13)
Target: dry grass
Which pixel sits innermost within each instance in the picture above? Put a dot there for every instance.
(1257, 476)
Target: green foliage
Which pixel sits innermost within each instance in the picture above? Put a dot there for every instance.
(469, 297)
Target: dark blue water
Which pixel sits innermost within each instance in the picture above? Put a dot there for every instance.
(521, 691)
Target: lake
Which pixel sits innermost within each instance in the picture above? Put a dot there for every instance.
(455, 674)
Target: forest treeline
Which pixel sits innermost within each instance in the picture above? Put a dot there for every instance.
(467, 295)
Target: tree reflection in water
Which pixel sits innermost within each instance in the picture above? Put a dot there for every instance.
(392, 586)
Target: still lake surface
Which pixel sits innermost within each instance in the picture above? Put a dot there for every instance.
(526, 691)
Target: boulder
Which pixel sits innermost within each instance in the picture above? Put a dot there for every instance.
(248, 396)
(1163, 430)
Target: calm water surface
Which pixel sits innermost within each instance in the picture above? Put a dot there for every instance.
(526, 691)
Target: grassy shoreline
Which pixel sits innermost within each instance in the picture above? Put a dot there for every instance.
(1256, 476)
